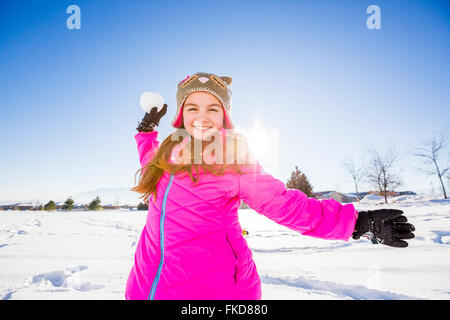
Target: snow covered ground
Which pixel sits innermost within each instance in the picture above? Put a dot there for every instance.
(88, 255)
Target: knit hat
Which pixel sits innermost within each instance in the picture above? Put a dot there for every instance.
(201, 81)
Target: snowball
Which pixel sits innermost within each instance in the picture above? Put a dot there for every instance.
(151, 99)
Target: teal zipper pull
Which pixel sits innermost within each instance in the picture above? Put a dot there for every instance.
(151, 295)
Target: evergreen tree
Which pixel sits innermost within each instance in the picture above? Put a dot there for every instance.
(142, 206)
(298, 180)
(68, 205)
(95, 204)
(50, 206)
(243, 205)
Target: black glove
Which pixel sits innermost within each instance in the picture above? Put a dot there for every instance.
(151, 120)
(388, 226)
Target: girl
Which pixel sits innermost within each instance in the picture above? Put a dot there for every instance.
(192, 245)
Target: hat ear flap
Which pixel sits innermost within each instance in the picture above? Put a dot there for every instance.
(226, 79)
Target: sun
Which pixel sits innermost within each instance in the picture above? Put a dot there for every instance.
(257, 140)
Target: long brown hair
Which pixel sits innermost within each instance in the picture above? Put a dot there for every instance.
(154, 169)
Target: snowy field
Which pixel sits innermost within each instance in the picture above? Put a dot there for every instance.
(88, 255)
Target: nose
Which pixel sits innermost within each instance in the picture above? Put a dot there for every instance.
(201, 120)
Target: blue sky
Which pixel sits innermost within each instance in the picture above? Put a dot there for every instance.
(310, 69)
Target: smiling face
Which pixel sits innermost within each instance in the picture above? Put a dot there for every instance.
(202, 115)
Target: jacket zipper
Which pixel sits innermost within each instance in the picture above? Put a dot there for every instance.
(151, 295)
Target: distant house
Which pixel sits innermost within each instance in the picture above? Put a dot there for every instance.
(127, 206)
(111, 206)
(406, 193)
(6, 206)
(340, 197)
(59, 205)
(23, 206)
(390, 193)
(351, 197)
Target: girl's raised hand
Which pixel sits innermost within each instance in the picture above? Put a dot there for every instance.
(151, 120)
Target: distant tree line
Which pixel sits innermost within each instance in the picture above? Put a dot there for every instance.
(380, 169)
(69, 204)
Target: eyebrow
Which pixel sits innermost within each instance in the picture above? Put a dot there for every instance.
(196, 105)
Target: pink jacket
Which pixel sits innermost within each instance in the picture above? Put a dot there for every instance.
(192, 245)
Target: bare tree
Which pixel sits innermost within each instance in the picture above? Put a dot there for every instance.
(356, 170)
(382, 171)
(431, 154)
